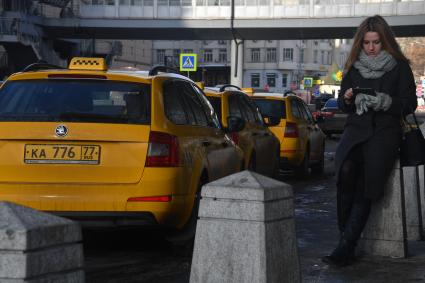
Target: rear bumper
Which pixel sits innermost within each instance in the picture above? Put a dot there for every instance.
(106, 219)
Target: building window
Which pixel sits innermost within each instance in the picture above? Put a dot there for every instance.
(329, 57)
(255, 80)
(271, 80)
(136, 2)
(160, 56)
(271, 54)
(208, 56)
(284, 80)
(255, 55)
(322, 55)
(222, 55)
(288, 54)
(188, 51)
(342, 59)
(301, 55)
(315, 56)
(176, 57)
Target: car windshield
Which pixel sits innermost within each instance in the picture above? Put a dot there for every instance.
(271, 108)
(331, 103)
(75, 101)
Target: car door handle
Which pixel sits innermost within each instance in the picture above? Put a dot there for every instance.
(206, 143)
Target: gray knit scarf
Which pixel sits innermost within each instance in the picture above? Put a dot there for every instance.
(373, 67)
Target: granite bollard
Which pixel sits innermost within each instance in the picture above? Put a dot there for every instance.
(246, 232)
(37, 247)
(385, 233)
(398, 216)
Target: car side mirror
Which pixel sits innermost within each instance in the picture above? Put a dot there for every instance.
(235, 124)
(272, 121)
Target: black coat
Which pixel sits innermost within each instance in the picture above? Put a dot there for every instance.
(380, 131)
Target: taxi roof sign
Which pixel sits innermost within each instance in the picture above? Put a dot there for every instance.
(188, 62)
(87, 63)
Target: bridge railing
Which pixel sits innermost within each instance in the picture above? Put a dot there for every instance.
(249, 9)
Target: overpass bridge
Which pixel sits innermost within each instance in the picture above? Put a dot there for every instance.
(38, 33)
(225, 19)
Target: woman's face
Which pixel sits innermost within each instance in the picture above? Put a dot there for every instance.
(371, 43)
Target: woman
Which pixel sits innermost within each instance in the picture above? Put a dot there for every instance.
(369, 145)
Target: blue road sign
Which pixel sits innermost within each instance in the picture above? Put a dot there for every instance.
(188, 62)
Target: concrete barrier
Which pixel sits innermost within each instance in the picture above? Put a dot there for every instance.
(246, 232)
(37, 247)
(385, 232)
(397, 217)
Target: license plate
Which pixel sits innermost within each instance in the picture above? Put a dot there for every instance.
(62, 154)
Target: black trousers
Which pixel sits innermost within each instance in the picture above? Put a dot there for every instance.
(352, 206)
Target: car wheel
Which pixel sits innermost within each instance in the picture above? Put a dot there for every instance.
(276, 168)
(319, 167)
(185, 237)
(303, 169)
(252, 163)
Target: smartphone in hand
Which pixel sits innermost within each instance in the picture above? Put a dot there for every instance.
(365, 90)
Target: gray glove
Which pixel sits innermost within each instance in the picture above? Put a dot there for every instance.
(383, 102)
(364, 102)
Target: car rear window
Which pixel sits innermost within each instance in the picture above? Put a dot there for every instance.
(75, 101)
(271, 108)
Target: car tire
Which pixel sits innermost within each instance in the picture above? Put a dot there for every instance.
(319, 167)
(303, 169)
(252, 164)
(185, 237)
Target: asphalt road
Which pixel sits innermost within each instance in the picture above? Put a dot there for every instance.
(145, 256)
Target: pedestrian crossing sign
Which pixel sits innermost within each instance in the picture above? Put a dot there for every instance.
(188, 62)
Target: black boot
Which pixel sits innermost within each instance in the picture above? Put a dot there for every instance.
(344, 254)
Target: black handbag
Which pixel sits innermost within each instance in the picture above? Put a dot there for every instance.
(412, 146)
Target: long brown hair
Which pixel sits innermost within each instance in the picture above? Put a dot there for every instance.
(386, 36)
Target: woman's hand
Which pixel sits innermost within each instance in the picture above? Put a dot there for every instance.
(348, 95)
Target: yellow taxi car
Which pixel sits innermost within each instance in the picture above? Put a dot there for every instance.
(260, 146)
(302, 143)
(114, 147)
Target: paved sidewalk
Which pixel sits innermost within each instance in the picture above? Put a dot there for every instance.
(318, 235)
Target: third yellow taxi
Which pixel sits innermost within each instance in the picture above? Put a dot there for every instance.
(106, 147)
(302, 143)
(260, 146)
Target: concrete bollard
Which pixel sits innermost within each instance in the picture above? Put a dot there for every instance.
(412, 200)
(37, 247)
(385, 232)
(246, 232)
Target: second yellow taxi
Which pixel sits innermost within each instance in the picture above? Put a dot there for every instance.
(260, 146)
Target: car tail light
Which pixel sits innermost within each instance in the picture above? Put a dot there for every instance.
(234, 137)
(327, 114)
(163, 150)
(291, 130)
(166, 198)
